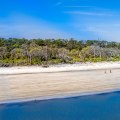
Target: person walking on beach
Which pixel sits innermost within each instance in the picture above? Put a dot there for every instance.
(110, 71)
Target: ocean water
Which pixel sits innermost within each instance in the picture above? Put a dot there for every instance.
(93, 107)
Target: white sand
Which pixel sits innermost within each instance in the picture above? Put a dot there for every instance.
(55, 84)
(60, 68)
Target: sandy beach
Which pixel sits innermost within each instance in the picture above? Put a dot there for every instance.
(59, 68)
(18, 84)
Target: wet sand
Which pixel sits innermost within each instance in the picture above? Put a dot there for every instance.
(24, 87)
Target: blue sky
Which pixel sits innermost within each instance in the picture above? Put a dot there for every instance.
(79, 19)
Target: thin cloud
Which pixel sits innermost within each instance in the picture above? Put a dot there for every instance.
(58, 3)
(75, 6)
(88, 13)
(108, 31)
(28, 27)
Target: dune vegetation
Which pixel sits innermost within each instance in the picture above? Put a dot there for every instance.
(22, 52)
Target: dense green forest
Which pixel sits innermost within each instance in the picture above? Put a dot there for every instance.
(14, 51)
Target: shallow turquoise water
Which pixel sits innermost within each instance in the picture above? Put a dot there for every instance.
(95, 107)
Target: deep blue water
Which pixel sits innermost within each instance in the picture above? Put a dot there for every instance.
(95, 107)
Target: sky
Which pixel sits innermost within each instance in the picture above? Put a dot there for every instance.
(78, 19)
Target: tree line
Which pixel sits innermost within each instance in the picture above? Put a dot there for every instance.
(15, 51)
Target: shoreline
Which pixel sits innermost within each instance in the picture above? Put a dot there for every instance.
(56, 97)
